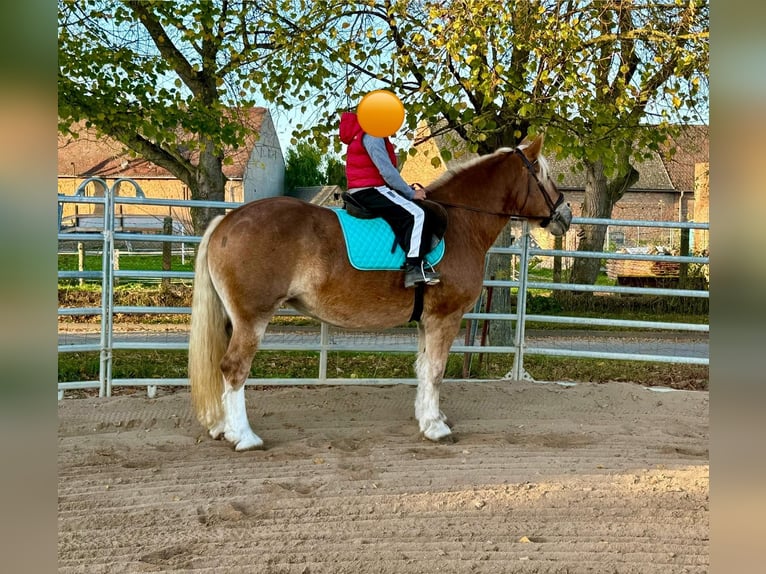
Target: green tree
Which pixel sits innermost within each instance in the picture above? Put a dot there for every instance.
(166, 79)
(335, 172)
(306, 165)
(162, 77)
(591, 74)
(303, 166)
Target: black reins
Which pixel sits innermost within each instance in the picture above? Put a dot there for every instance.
(530, 165)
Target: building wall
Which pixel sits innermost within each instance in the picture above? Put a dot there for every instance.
(634, 205)
(265, 171)
(648, 206)
(701, 238)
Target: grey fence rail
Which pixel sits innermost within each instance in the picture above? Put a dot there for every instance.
(565, 343)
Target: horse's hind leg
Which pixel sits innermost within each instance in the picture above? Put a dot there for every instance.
(235, 367)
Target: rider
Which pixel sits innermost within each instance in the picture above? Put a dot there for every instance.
(374, 182)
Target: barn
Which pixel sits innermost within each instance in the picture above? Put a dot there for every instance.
(256, 170)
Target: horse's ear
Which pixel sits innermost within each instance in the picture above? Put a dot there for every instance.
(533, 150)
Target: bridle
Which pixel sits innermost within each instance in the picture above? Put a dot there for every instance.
(530, 165)
(551, 204)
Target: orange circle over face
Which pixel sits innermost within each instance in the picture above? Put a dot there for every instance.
(380, 113)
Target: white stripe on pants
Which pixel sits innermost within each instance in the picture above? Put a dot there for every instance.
(418, 216)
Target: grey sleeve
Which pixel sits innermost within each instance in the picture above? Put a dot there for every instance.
(376, 148)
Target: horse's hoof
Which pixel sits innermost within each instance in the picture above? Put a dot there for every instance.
(250, 442)
(216, 432)
(425, 423)
(436, 430)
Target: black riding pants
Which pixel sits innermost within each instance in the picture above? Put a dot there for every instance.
(406, 218)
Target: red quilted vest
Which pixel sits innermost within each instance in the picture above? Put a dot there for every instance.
(360, 171)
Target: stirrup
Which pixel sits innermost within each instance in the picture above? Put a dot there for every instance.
(432, 276)
(414, 274)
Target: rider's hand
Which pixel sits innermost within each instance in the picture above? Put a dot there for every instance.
(420, 193)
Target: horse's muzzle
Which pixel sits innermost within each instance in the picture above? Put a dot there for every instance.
(559, 222)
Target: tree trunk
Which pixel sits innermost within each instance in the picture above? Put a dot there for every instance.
(209, 184)
(499, 267)
(591, 237)
(558, 245)
(600, 197)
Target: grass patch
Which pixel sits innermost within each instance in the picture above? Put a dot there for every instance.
(611, 306)
(305, 365)
(295, 364)
(128, 261)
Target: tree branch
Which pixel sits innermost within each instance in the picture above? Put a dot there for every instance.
(618, 186)
(179, 166)
(471, 96)
(165, 46)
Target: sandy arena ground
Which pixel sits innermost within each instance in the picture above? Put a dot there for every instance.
(540, 478)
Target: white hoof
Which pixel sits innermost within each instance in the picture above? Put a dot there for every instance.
(436, 430)
(424, 423)
(249, 442)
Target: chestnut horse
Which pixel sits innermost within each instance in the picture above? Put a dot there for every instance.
(281, 250)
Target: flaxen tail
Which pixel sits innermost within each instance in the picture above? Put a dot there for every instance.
(208, 339)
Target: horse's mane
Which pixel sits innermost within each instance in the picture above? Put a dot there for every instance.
(461, 168)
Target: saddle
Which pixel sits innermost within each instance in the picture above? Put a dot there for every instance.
(435, 214)
(354, 208)
(371, 244)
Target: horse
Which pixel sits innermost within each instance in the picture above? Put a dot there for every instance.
(283, 251)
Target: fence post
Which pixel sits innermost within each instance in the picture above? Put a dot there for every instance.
(167, 229)
(107, 296)
(517, 372)
(81, 260)
(324, 341)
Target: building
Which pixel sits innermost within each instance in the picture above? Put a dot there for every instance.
(256, 170)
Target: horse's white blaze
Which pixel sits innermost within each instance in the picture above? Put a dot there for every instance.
(237, 428)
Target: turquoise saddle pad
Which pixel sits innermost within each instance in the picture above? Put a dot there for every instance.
(369, 242)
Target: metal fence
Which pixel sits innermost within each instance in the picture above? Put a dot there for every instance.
(328, 339)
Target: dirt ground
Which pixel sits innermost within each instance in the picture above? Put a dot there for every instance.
(610, 478)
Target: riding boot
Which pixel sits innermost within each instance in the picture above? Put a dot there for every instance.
(415, 272)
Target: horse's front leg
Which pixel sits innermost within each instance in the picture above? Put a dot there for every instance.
(433, 350)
